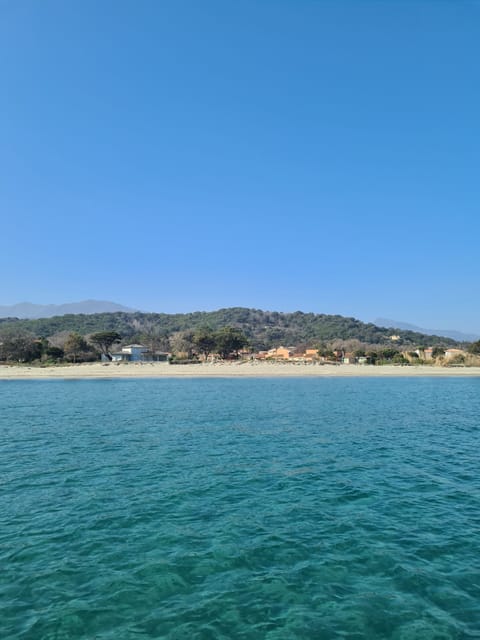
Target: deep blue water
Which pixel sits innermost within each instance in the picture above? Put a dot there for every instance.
(253, 508)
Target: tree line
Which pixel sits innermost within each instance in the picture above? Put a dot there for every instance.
(18, 345)
(263, 329)
(23, 347)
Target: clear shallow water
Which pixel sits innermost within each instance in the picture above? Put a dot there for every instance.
(211, 509)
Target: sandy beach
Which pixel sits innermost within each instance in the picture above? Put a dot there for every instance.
(226, 370)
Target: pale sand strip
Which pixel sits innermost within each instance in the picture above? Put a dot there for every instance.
(227, 370)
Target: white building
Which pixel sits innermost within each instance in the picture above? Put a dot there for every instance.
(130, 353)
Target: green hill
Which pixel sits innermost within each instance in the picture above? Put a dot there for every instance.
(264, 329)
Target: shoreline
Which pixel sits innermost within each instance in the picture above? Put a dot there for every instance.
(228, 370)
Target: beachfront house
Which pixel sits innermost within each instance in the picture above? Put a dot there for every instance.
(130, 353)
(280, 353)
(426, 354)
(139, 353)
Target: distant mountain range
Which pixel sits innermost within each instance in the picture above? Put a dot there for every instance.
(405, 326)
(27, 310)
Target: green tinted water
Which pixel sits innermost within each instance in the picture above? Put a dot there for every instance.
(278, 509)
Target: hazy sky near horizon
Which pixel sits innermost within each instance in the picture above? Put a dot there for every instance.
(277, 154)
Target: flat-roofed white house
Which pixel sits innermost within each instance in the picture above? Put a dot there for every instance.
(138, 353)
(130, 353)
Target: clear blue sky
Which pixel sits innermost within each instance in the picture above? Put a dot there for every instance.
(180, 155)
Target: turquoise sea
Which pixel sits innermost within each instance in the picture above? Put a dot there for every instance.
(250, 509)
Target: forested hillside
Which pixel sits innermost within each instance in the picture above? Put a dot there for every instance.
(264, 329)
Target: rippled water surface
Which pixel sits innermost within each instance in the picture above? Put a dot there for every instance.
(215, 509)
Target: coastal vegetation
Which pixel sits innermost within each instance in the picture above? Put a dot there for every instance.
(264, 329)
(86, 337)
